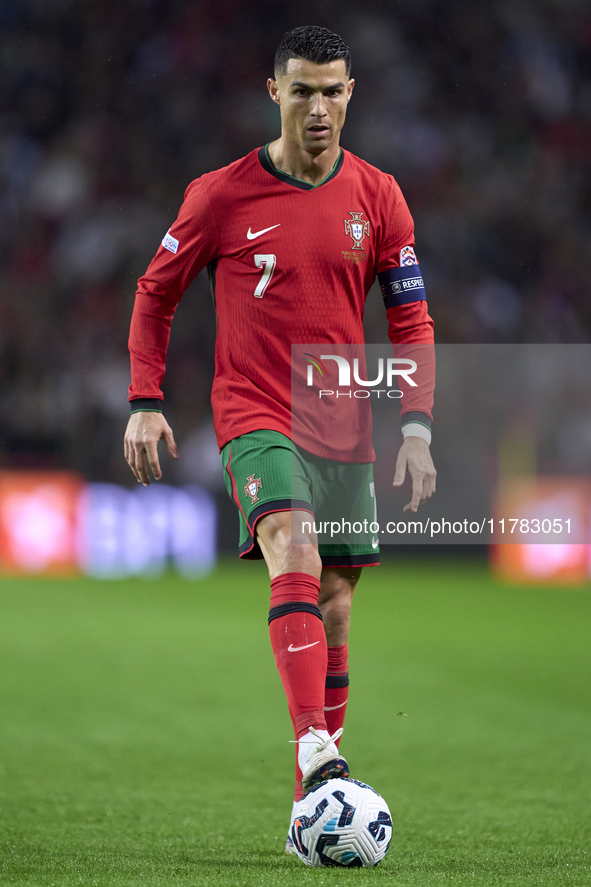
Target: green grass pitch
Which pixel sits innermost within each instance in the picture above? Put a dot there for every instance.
(144, 735)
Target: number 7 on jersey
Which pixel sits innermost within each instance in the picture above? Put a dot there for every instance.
(267, 262)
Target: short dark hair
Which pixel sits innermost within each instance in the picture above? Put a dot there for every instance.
(314, 44)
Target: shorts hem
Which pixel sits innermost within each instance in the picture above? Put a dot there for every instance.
(250, 550)
(276, 505)
(350, 560)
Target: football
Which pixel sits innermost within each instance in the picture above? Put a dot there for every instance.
(341, 822)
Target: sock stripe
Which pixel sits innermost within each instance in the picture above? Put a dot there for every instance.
(294, 607)
(335, 681)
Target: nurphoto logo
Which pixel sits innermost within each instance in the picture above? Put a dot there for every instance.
(389, 370)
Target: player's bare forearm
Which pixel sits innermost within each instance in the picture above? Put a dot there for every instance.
(414, 456)
(143, 432)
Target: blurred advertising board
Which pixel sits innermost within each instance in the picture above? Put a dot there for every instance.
(38, 522)
(544, 504)
(54, 523)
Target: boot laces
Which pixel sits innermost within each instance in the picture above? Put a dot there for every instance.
(324, 743)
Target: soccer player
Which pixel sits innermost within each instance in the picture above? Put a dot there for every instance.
(293, 236)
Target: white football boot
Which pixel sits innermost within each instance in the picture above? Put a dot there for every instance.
(289, 845)
(319, 758)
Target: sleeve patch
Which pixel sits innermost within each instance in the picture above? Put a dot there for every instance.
(400, 286)
(170, 243)
(407, 256)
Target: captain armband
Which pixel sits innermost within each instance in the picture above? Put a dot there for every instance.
(403, 285)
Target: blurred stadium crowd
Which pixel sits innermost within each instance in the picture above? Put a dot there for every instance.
(108, 109)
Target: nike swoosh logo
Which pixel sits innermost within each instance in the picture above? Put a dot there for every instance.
(334, 707)
(293, 649)
(252, 234)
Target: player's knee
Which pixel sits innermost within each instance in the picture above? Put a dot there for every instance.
(289, 557)
(308, 557)
(285, 550)
(338, 585)
(281, 528)
(337, 604)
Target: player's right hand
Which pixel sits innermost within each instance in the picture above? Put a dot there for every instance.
(143, 432)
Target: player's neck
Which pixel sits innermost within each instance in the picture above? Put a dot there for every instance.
(293, 160)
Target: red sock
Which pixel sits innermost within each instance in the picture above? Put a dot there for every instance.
(299, 645)
(335, 701)
(336, 693)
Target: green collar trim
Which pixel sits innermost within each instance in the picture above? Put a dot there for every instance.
(268, 165)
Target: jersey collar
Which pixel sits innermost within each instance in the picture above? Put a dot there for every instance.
(267, 165)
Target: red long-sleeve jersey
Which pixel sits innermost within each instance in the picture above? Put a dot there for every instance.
(289, 263)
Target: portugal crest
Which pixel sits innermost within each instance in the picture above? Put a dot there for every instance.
(253, 485)
(358, 228)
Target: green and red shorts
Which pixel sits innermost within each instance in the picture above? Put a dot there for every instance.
(265, 473)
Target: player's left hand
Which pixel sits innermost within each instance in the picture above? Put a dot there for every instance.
(415, 456)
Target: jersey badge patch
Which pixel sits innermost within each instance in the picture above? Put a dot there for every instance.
(170, 243)
(357, 228)
(253, 485)
(407, 256)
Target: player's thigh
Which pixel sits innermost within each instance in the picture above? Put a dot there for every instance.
(268, 481)
(348, 500)
(338, 582)
(288, 543)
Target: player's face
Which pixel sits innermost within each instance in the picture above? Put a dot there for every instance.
(313, 102)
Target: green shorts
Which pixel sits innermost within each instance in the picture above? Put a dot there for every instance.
(264, 473)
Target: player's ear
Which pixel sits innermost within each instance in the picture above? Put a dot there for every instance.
(273, 90)
(350, 86)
